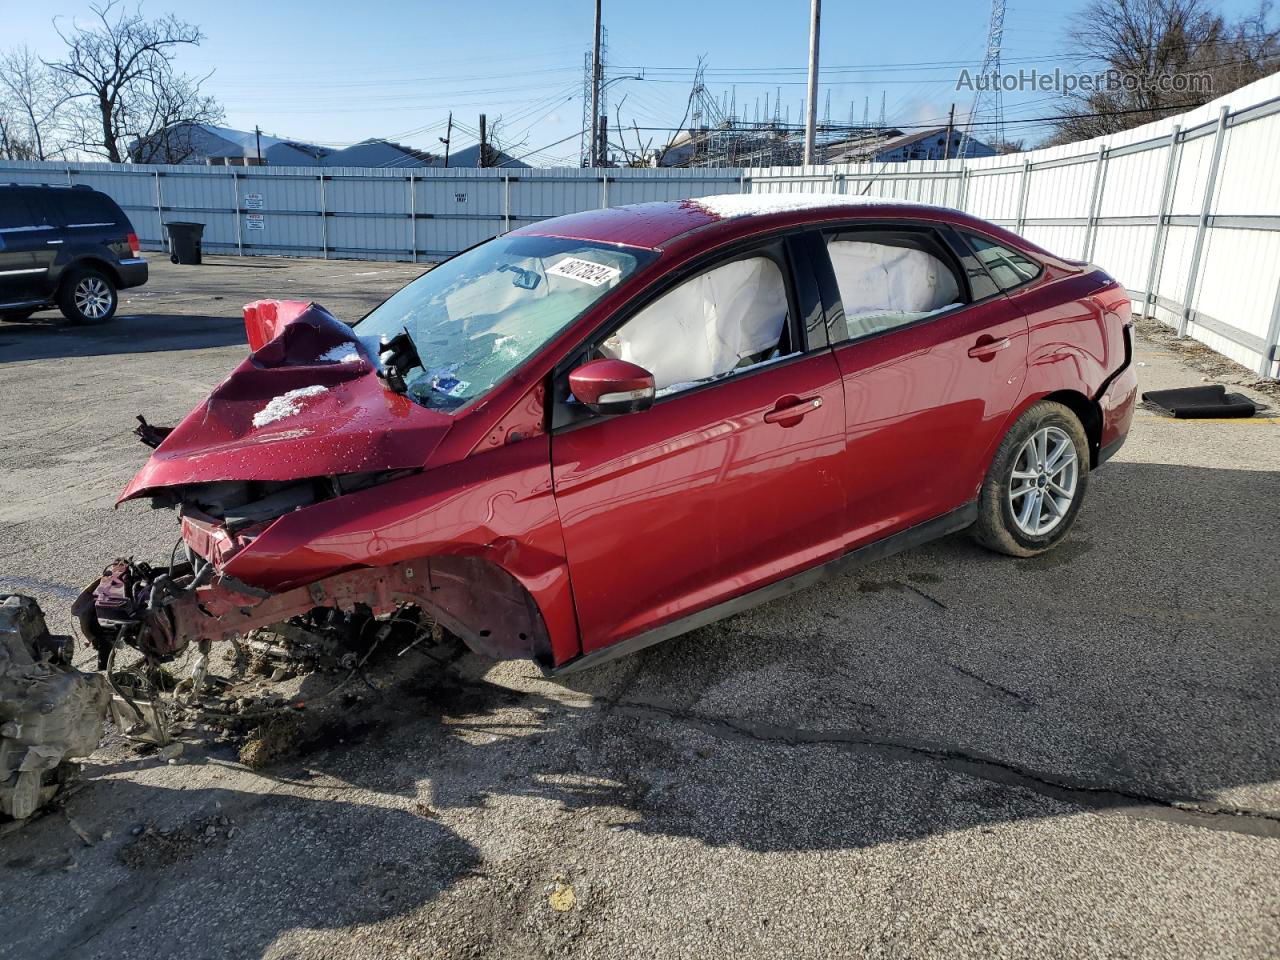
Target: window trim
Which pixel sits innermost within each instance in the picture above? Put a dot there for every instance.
(935, 231)
(778, 247)
(965, 233)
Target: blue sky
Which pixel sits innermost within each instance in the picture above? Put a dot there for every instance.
(336, 72)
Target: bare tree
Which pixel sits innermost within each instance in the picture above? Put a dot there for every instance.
(1195, 49)
(29, 103)
(119, 75)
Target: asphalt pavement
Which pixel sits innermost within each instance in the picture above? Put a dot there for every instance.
(947, 754)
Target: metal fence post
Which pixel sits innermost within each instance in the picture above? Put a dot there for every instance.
(1095, 204)
(413, 219)
(1162, 215)
(604, 191)
(235, 210)
(159, 208)
(1023, 186)
(964, 188)
(1271, 345)
(1203, 224)
(506, 203)
(324, 219)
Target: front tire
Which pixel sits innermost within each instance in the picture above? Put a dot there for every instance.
(88, 296)
(1036, 484)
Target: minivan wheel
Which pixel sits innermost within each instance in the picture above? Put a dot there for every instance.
(88, 297)
(1036, 483)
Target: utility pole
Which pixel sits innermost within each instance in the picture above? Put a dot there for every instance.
(448, 135)
(951, 125)
(811, 118)
(484, 143)
(257, 136)
(603, 158)
(595, 92)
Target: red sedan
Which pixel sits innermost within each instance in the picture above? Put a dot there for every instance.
(606, 429)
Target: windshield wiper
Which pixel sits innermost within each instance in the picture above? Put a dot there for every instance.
(399, 355)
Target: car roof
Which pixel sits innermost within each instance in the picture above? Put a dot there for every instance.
(722, 218)
(657, 224)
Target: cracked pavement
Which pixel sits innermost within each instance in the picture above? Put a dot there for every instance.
(946, 754)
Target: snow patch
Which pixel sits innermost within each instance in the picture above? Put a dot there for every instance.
(342, 353)
(285, 405)
(726, 206)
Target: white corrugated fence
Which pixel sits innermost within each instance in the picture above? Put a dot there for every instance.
(1185, 211)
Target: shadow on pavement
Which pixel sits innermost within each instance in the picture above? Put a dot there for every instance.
(49, 336)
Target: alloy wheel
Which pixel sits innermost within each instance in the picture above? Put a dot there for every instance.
(93, 298)
(1043, 484)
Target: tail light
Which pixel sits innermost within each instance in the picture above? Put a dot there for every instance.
(133, 245)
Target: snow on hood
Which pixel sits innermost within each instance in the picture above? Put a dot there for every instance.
(285, 405)
(727, 206)
(306, 403)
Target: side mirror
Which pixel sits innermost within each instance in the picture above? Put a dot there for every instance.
(612, 386)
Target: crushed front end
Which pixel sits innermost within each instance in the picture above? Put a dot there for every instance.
(293, 483)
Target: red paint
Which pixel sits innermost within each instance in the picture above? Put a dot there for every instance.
(264, 319)
(700, 497)
(624, 523)
(354, 425)
(597, 379)
(922, 416)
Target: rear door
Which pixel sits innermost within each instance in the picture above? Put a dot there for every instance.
(731, 480)
(932, 356)
(24, 248)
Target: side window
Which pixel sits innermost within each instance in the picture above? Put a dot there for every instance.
(890, 280)
(1007, 267)
(15, 212)
(83, 208)
(727, 319)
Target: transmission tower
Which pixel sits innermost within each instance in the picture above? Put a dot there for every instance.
(988, 108)
(584, 141)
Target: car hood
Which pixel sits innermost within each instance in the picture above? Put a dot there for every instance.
(306, 402)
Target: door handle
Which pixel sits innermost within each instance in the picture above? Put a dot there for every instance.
(987, 348)
(791, 409)
(53, 243)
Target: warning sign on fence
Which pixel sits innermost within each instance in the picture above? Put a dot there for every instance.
(255, 221)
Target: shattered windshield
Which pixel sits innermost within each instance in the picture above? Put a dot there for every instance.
(475, 318)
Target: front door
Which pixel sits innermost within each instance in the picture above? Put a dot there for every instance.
(933, 358)
(731, 480)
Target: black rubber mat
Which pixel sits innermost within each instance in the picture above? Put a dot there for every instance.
(1194, 403)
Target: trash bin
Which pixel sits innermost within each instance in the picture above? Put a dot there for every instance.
(184, 241)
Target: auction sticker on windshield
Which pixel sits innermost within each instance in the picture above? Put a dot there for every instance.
(586, 271)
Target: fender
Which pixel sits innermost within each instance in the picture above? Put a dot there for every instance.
(476, 521)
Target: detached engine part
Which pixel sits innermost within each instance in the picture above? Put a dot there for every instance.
(50, 712)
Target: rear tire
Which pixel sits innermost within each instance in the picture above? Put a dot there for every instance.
(88, 296)
(1036, 484)
(16, 316)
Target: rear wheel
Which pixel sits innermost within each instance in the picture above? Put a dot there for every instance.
(1036, 483)
(16, 316)
(88, 296)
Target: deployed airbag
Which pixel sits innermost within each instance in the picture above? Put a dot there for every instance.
(706, 326)
(883, 286)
